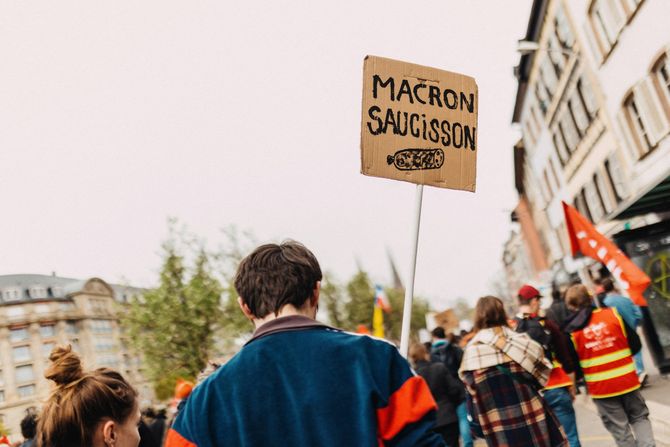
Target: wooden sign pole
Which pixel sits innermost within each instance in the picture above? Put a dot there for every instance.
(409, 290)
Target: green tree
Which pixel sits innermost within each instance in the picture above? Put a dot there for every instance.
(332, 299)
(358, 307)
(174, 325)
(393, 320)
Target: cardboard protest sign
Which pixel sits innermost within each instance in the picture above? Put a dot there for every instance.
(419, 124)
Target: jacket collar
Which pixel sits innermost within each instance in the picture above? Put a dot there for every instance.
(285, 324)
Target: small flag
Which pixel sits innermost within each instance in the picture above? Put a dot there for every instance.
(381, 300)
(378, 322)
(585, 239)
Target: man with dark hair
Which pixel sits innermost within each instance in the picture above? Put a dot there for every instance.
(605, 344)
(298, 382)
(559, 390)
(29, 429)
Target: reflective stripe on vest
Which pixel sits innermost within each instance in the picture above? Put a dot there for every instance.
(604, 355)
(597, 361)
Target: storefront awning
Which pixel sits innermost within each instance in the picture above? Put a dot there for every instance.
(655, 200)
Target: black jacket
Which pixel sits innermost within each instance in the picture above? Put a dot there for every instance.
(449, 355)
(447, 391)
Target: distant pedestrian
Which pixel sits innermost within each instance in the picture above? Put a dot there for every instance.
(450, 355)
(559, 391)
(29, 429)
(87, 409)
(158, 425)
(298, 382)
(447, 390)
(631, 314)
(503, 372)
(605, 344)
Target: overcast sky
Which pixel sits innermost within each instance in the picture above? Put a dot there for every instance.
(116, 115)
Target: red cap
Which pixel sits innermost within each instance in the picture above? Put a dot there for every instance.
(527, 293)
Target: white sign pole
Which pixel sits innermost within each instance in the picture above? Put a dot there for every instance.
(409, 290)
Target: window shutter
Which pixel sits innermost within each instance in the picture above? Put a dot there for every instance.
(593, 201)
(651, 111)
(631, 146)
(570, 131)
(604, 192)
(586, 90)
(581, 117)
(614, 18)
(617, 177)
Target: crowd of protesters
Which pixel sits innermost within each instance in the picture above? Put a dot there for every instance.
(298, 382)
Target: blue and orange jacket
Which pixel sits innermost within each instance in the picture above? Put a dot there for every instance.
(300, 383)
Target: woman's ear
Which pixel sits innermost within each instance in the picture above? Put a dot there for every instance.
(109, 433)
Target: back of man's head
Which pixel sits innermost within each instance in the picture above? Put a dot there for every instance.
(273, 276)
(438, 332)
(608, 285)
(29, 426)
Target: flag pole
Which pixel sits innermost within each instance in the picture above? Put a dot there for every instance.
(409, 291)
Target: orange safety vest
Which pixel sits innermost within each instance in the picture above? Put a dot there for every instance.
(604, 355)
(558, 377)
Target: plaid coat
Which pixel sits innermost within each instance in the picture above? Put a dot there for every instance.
(503, 385)
(510, 410)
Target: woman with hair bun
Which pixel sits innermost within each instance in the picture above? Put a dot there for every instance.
(87, 409)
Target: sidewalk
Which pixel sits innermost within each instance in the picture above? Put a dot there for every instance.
(657, 395)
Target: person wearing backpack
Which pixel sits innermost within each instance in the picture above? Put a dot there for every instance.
(450, 355)
(559, 392)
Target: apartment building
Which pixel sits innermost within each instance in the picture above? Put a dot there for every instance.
(38, 312)
(593, 105)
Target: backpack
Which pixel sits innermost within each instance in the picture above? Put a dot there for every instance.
(536, 330)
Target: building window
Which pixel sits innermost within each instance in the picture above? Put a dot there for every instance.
(101, 326)
(24, 373)
(570, 133)
(12, 294)
(607, 19)
(26, 391)
(579, 114)
(47, 348)
(602, 189)
(550, 191)
(2, 399)
(638, 124)
(587, 96)
(71, 328)
(553, 174)
(48, 331)
(548, 75)
(18, 334)
(662, 73)
(57, 292)
(563, 30)
(561, 149)
(542, 96)
(21, 354)
(38, 292)
(582, 205)
(615, 177)
(593, 202)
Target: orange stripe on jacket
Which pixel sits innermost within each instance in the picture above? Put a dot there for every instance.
(174, 439)
(411, 402)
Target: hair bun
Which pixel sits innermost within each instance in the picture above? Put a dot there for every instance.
(65, 367)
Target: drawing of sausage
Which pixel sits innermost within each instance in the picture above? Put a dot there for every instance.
(416, 159)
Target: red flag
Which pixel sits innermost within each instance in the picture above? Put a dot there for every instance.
(585, 239)
(4, 440)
